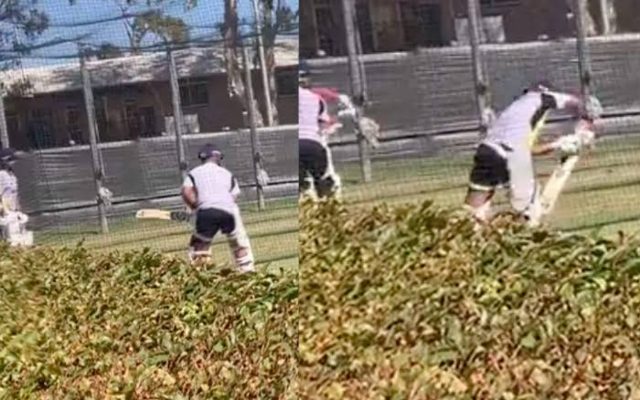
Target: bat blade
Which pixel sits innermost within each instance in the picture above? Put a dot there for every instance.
(556, 184)
(162, 215)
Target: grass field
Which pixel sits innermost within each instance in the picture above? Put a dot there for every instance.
(273, 233)
(601, 196)
(603, 193)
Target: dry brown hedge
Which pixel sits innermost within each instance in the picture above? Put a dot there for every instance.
(142, 326)
(408, 303)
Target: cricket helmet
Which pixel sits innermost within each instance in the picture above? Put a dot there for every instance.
(541, 85)
(209, 151)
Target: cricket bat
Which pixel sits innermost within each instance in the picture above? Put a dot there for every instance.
(556, 183)
(166, 215)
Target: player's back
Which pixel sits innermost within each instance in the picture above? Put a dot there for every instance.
(514, 125)
(215, 185)
(309, 110)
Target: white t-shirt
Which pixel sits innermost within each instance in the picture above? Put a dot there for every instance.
(517, 126)
(215, 185)
(8, 188)
(311, 110)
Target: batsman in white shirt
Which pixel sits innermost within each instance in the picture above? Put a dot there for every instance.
(12, 220)
(317, 175)
(505, 158)
(211, 191)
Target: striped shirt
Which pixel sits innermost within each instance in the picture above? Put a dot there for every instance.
(215, 185)
(312, 110)
(519, 124)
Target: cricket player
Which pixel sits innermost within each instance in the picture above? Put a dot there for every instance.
(315, 124)
(505, 157)
(12, 220)
(211, 191)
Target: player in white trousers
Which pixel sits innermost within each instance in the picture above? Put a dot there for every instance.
(211, 191)
(317, 175)
(505, 157)
(12, 220)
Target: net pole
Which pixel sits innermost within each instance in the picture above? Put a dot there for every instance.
(178, 120)
(357, 84)
(584, 58)
(263, 62)
(98, 173)
(255, 152)
(479, 77)
(4, 131)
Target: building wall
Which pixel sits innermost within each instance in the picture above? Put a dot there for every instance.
(523, 20)
(220, 113)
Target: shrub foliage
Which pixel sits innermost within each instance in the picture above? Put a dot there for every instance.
(142, 326)
(410, 303)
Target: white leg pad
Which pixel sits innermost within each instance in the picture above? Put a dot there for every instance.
(13, 229)
(533, 213)
(240, 246)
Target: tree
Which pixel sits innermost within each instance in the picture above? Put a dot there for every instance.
(589, 23)
(165, 27)
(153, 22)
(21, 23)
(277, 18)
(107, 51)
(232, 46)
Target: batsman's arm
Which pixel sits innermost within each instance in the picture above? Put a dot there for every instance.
(189, 193)
(541, 149)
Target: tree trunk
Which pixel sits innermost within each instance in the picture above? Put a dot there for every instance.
(270, 57)
(235, 82)
(590, 25)
(610, 13)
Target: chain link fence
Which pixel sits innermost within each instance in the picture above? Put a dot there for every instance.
(110, 105)
(424, 94)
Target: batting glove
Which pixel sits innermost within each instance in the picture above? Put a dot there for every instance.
(568, 145)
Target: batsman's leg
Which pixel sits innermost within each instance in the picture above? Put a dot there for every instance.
(240, 245)
(326, 180)
(199, 250)
(524, 193)
(205, 230)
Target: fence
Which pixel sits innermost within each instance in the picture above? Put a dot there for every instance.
(144, 170)
(425, 101)
(107, 124)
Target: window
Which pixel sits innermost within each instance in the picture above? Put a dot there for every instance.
(422, 23)
(73, 127)
(498, 3)
(147, 117)
(131, 118)
(363, 16)
(287, 82)
(101, 116)
(194, 93)
(326, 27)
(40, 129)
(13, 124)
(492, 30)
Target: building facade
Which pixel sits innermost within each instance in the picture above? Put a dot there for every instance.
(133, 100)
(402, 25)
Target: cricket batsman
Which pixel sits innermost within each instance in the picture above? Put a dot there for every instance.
(211, 191)
(12, 220)
(505, 157)
(315, 125)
